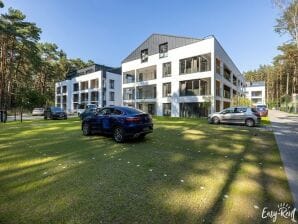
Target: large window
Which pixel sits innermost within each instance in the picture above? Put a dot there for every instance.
(234, 80)
(84, 97)
(84, 85)
(163, 50)
(76, 87)
(146, 92)
(112, 84)
(194, 110)
(166, 109)
(227, 92)
(166, 89)
(227, 73)
(64, 89)
(112, 96)
(217, 69)
(145, 74)
(128, 93)
(195, 87)
(94, 83)
(166, 69)
(144, 55)
(75, 97)
(129, 77)
(94, 96)
(201, 63)
(218, 92)
(256, 93)
(58, 90)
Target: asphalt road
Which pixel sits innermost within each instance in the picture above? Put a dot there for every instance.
(285, 127)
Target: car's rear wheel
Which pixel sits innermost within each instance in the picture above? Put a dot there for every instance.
(215, 120)
(249, 122)
(118, 134)
(86, 129)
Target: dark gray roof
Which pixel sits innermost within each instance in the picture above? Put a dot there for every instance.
(152, 44)
(91, 69)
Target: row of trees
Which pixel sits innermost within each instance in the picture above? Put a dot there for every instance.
(29, 68)
(281, 78)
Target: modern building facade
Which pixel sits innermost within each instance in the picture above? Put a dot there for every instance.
(96, 84)
(180, 76)
(255, 92)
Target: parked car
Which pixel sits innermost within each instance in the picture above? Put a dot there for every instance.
(88, 112)
(238, 115)
(121, 122)
(54, 113)
(262, 109)
(38, 112)
(83, 107)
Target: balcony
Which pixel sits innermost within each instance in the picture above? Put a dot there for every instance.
(145, 74)
(146, 92)
(129, 77)
(128, 94)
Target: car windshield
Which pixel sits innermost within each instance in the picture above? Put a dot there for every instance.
(57, 109)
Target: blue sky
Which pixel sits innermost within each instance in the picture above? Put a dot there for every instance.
(107, 31)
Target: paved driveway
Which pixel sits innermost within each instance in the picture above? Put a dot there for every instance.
(285, 127)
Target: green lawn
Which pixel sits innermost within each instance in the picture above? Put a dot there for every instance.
(187, 171)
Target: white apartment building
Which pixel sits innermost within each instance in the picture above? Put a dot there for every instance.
(255, 92)
(180, 76)
(96, 84)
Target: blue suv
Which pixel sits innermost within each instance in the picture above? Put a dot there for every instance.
(121, 122)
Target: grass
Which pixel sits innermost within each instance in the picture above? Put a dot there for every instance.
(187, 171)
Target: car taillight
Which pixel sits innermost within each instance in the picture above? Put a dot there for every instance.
(133, 119)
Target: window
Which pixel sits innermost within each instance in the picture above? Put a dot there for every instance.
(144, 55)
(227, 92)
(217, 69)
(256, 93)
(195, 87)
(58, 99)
(147, 73)
(201, 63)
(84, 97)
(64, 88)
(84, 85)
(75, 97)
(112, 96)
(116, 112)
(128, 93)
(58, 90)
(193, 110)
(227, 73)
(166, 69)
(129, 77)
(94, 83)
(112, 84)
(234, 80)
(163, 50)
(166, 109)
(76, 87)
(94, 96)
(218, 92)
(166, 90)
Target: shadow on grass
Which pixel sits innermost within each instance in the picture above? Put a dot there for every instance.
(179, 174)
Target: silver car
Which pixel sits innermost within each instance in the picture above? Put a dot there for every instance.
(236, 115)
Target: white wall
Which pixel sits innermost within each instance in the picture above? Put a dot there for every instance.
(88, 77)
(202, 47)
